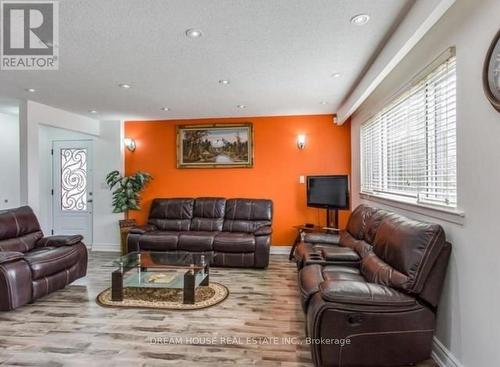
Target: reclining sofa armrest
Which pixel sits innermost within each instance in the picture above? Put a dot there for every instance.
(10, 256)
(58, 241)
(142, 229)
(15, 280)
(364, 294)
(263, 231)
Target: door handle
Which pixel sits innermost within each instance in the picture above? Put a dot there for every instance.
(90, 201)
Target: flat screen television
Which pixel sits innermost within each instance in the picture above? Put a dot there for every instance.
(330, 192)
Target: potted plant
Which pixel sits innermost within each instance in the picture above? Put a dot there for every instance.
(126, 196)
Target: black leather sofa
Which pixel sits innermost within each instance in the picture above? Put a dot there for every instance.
(376, 284)
(31, 265)
(234, 232)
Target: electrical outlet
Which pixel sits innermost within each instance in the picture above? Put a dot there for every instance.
(302, 179)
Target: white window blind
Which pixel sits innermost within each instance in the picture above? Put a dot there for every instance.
(408, 150)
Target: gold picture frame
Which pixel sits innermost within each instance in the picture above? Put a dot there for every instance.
(215, 146)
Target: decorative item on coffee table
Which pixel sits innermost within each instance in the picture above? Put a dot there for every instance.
(126, 197)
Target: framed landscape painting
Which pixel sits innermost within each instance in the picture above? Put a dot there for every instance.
(215, 146)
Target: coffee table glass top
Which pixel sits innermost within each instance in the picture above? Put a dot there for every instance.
(147, 269)
(172, 278)
(162, 260)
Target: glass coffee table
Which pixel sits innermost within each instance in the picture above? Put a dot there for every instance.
(148, 269)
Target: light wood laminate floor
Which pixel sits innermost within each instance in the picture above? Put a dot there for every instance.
(68, 328)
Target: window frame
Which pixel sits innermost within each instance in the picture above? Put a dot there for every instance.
(411, 202)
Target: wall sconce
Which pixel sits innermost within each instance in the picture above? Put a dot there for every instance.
(301, 141)
(130, 144)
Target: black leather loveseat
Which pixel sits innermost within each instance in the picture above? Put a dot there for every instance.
(31, 265)
(378, 284)
(235, 232)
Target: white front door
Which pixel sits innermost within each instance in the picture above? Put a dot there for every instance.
(72, 188)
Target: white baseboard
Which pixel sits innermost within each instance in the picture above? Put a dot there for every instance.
(105, 247)
(442, 356)
(280, 250)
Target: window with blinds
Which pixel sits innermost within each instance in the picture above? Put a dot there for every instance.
(409, 149)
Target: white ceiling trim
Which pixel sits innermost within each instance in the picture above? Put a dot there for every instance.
(420, 19)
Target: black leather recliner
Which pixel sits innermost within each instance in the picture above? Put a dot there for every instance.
(32, 266)
(376, 284)
(234, 232)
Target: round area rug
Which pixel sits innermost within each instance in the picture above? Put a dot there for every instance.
(164, 298)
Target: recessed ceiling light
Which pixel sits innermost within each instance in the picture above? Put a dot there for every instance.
(335, 75)
(165, 109)
(93, 112)
(323, 102)
(360, 19)
(31, 90)
(124, 85)
(224, 81)
(241, 106)
(193, 33)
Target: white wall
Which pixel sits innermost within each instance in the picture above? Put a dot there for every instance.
(108, 153)
(31, 116)
(39, 126)
(9, 161)
(107, 157)
(469, 310)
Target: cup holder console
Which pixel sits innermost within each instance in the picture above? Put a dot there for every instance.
(314, 258)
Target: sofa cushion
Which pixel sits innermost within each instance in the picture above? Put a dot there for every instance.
(19, 229)
(375, 270)
(339, 273)
(364, 293)
(249, 209)
(319, 237)
(208, 214)
(46, 261)
(311, 276)
(407, 247)
(234, 242)
(171, 214)
(158, 240)
(340, 268)
(196, 240)
(361, 247)
(373, 223)
(337, 253)
(356, 224)
(247, 215)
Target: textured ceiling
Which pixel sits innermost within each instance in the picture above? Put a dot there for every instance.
(278, 55)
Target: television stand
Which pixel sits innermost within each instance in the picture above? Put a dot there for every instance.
(329, 223)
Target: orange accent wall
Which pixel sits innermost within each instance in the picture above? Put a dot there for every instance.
(278, 163)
